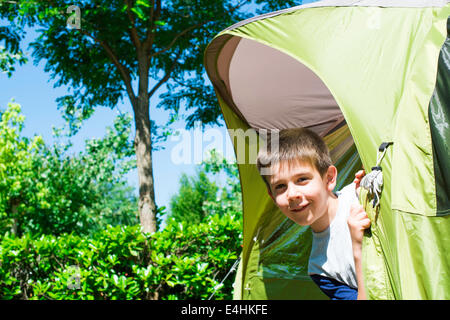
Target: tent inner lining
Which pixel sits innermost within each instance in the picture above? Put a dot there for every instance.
(272, 90)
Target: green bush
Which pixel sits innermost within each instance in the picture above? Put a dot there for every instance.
(181, 262)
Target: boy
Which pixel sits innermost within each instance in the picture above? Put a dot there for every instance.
(301, 181)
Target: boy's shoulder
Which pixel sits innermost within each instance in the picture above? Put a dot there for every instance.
(348, 195)
(349, 189)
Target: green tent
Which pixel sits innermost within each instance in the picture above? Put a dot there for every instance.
(359, 73)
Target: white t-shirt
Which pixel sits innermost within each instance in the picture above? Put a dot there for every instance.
(331, 253)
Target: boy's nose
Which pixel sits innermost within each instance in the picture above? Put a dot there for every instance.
(294, 197)
(293, 193)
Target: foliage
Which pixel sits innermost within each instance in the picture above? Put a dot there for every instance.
(43, 190)
(199, 197)
(8, 60)
(230, 198)
(10, 52)
(181, 262)
(112, 40)
(16, 165)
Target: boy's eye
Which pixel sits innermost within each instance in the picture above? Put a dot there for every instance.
(279, 186)
(302, 179)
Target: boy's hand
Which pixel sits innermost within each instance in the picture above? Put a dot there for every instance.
(358, 177)
(357, 222)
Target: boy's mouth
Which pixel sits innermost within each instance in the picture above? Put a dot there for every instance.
(300, 208)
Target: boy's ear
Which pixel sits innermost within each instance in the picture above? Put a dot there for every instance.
(331, 178)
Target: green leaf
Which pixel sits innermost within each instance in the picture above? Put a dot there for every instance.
(139, 12)
(143, 3)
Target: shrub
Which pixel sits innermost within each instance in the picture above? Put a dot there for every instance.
(181, 262)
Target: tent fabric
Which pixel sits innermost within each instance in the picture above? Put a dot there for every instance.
(348, 3)
(439, 115)
(338, 68)
(302, 96)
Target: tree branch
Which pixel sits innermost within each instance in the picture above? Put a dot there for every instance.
(171, 44)
(124, 72)
(149, 32)
(166, 76)
(238, 5)
(154, 16)
(187, 85)
(182, 33)
(133, 31)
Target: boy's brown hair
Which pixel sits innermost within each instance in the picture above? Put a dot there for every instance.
(297, 144)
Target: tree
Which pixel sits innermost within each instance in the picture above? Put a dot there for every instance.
(188, 204)
(199, 197)
(16, 166)
(229, 200)
(116, 47)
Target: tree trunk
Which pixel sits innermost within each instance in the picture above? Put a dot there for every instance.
(143, 149)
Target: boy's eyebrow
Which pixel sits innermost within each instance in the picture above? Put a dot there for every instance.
(297, 173)
(275, 182)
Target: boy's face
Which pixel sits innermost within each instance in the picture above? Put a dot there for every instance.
(302, 194)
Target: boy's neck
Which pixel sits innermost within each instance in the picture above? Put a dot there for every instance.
(324, 222)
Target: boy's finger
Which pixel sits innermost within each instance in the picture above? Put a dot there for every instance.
(360, 174)
(358, 177)
(357, 190)
(361, 216)
(365, 223)
(355, 208)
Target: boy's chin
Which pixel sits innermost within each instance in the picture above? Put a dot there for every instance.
(302, 221)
